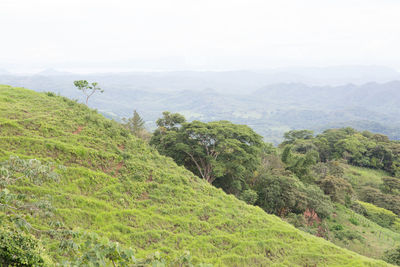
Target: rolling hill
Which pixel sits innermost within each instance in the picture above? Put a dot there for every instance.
(118, 187)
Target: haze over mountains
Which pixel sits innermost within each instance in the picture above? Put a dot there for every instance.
(272, 102)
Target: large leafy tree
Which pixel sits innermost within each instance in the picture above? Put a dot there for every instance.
(214, 150)
(293, 135)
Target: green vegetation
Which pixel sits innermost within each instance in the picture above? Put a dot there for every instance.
(118, 189)
(135, 126)
(381, 216)
(393, 256)
(87, 89)
(220, 152)
(18, 249)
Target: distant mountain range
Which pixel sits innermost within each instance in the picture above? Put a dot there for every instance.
(243, 97)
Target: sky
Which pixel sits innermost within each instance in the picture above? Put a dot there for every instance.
(197, 34)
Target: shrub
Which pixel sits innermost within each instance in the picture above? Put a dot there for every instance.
(249, 196)
(280, 194)
(51, 94)
(297, 220)
(354, 221)
(337, 188)
(19, 250)
(375, 196)
(337, 227)
(348, 235)
(381, 216)
(393, 256)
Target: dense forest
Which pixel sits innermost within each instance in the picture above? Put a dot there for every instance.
(80, 189)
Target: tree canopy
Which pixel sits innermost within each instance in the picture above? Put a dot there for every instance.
(213, 150)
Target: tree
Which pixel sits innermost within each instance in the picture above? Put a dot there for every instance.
(293, 135)
(300, 164)
(135, 124)
(280, 195)
(170, 121)
(87, 89)
(336, 187)
(214, 150)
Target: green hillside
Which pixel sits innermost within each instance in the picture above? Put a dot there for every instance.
(119, 187)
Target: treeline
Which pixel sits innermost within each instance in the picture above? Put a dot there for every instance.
(304, 175)
(363, 149)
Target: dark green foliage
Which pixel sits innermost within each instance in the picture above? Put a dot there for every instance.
(51, 94)
(170, 121)
(348, 235)
(337, 227)
(317, 201)
(376, 197)
(216, 151)
(294, 135)
(249, 196)
(300, 164)
(337, 188)
(393, 256)
(296, 220)
(282, 195)
(18, 249)
(354, 221)
(359, 149)
(391, 185)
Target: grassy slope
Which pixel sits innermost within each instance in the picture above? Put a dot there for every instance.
(367, 238)
(119, 187)
(359, 176)
(375, 239)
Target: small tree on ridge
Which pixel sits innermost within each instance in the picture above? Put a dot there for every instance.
(87, 88)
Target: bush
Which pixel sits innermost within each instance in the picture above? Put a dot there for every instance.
(19, 250)
(337, 227)
(381, 216)
(348, 235)
(280, 194)
(249, 196)
(297, 220)
(337, 188)
(393, 256)
(376, 197)
(318, 201)
(51, 94)
(354, 221)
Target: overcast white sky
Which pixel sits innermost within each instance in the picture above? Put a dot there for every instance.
(197, 34)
